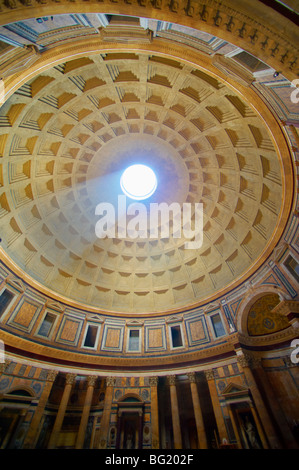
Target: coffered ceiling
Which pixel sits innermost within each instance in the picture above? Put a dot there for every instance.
(67, 134)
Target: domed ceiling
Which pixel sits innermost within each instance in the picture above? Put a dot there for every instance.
(67, 135)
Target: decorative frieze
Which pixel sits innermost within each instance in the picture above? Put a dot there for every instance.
(3, 366)
(250, 25)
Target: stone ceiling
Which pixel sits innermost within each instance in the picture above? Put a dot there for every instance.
(66, 136)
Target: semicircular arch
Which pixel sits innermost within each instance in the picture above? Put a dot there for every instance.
(250, 299)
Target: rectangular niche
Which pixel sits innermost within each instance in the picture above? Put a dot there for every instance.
(292, 266)
(47, 325)
(134, 340)
(176, 336)
(6, 300)
(217, 325)
(91, 336)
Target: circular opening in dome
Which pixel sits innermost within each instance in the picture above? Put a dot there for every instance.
(138, 182)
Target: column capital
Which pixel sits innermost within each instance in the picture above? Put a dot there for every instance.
(244, 360)
(210, 374)
(249, 360)
(70, 378)
(192, 377)
(171, 379)
(153, 381)
(51, 375)
(4, 365)
(91, 380)
(288, 362)
(255, 362)
(110, 381)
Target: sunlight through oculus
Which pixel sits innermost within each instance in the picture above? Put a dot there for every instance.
(138, 182)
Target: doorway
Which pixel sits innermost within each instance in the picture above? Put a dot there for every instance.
(130, 423)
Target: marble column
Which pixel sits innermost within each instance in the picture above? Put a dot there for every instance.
(70, 379)
(104, 428)
(245, 363)
(33, 431)
(153, 381)
(118, 429)
(286, 433)
(140, 429)
(177, 436)
(259, 427)
(91, 380)
(201, 434)
(234, 425)
(210, 376)
(15, 442)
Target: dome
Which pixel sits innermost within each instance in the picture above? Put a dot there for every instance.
(163, 315)
(74, 128)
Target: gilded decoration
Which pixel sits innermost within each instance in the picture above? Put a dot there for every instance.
(262, 320)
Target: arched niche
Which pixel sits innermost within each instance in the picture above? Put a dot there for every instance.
(254, 297)
(261, 320)
(23, 391)
(20, 393)
(129, 398)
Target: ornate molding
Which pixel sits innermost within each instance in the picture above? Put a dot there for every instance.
(91, 380)
(244, 360)
(192, 377)
(270, 339)
(287, 307)
(249, 360)
(171, 380)
(153, 381)
(210, 374)
(253, 26)
(51, 376)
(70, 378)
(110, 381)
(4, 365)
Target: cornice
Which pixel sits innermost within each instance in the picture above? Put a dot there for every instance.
(251, 25)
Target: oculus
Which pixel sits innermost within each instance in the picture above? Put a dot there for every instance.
(138, 182)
